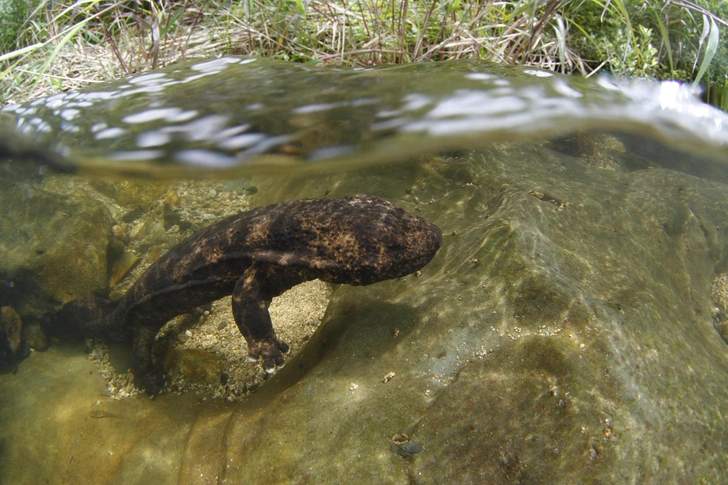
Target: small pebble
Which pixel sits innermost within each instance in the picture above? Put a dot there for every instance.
(401, 444)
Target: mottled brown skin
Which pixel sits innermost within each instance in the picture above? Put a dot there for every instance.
(255, 256)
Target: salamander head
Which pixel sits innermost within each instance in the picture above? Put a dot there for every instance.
(367, 239)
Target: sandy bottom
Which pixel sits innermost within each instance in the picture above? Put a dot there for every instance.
(205, 351)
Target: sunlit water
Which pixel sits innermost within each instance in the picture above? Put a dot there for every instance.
(571, 329)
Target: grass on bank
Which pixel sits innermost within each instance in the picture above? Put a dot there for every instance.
(52, 45)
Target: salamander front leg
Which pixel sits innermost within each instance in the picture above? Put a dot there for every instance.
(250, 310)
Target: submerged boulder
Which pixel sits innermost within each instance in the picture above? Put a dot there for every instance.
(198, 366)
(12, 348)
(54, 246)
(12, 328)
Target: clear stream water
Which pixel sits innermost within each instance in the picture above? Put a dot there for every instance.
(573, 327)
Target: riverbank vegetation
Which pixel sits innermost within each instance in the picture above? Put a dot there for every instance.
(49, 45)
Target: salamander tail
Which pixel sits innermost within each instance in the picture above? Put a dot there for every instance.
(84, 317)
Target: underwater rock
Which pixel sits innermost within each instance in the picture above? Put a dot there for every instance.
(173, 217)
(13, 327)
(148, 230)
(121, 266)
(401, 444)
(722, 328)
(35, 336)
(199, 366)
(130, 193)
(54, 246)
(12, 346)
(720, 310)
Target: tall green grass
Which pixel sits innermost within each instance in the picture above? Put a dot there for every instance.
(48, 45)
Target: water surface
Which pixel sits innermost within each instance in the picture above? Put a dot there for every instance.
(199, 116)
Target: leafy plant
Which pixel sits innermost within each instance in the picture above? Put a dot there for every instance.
(651, 38)
(51, 44)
